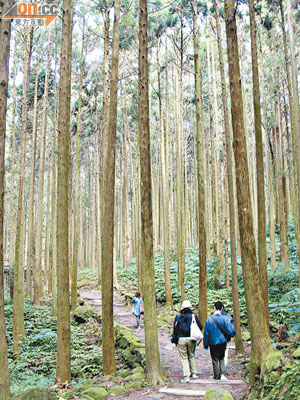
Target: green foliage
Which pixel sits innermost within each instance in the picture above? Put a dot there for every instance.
(281, 384)
(37, 363)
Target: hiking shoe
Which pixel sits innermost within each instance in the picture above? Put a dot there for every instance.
(223, 378)
(194, 376)
(186, 380)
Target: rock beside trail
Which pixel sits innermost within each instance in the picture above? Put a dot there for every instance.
(119, 390)
(96, 393)
(217, 394)
(272, 362)
(39, 393)
(83, 313)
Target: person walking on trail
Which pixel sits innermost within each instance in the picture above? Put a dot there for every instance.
(137, 308)
(217, 331)
(182, 339)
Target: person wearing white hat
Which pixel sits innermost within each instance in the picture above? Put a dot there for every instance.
(182, 340)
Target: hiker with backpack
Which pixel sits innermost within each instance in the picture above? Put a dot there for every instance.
(217, 331)
(186, 333)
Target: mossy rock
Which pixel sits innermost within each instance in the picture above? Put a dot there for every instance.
(138, 376)
(129, 357)
(96, 393)
(83, 282)
(124, 342)
(217, 394)
(118, 390)
(83, 313)
(134, 385)
(39, 393)
(273, 378)
(138, 369)
(296, 353)
(80, 301)
(123, 373)
(272, 362)
(136, 345)
(75, 391)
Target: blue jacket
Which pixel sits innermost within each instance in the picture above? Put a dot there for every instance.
(182, 324)
(212, 334)
(227, 315)
(136, 301)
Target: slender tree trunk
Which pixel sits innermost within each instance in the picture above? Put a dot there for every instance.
(202, 308)
(293, 131)
(38, 279)
(261, 211)
(214, 178)
(5, 33)
(18, 297)
(165, 184)
(268, 167)
(295, 111)
(109, 363)
(151, 335)
(63, 361)
(53, 245)
(229, 161)
(179, 189)
(259, 330)
(125, 211)
(77, 185)
(31, 224)
(47, 239)
(218, 178)
(12, 216)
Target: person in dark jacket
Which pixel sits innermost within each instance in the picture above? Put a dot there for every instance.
(181, 338)
(217, 327)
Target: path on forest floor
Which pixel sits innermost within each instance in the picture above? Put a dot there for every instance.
(170, 358)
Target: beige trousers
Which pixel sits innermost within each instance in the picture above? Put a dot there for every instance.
(186, 349)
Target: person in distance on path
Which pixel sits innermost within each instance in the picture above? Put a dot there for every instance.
(217, 327)
(137, 308)
(181, 339)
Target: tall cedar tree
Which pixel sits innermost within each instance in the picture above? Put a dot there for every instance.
(5, 33)
(18, 291)
(151, 336)
(230, 175)
(200, 173)
(63, 362)
(261, 211)
(259, 331)
(77, 184)
(108, 345)
(295, 111)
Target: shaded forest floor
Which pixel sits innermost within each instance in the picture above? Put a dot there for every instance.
(170, 357)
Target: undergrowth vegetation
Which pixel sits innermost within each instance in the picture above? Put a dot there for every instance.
(37, 364)
(284, 301)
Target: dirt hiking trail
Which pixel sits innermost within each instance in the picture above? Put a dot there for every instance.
(170, 360)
